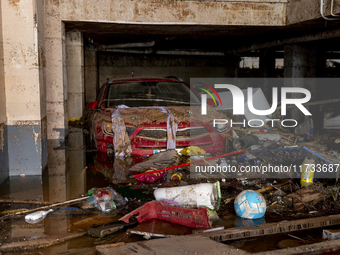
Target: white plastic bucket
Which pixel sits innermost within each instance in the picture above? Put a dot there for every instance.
(192, 196)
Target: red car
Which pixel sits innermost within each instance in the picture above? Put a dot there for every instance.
(145, 124)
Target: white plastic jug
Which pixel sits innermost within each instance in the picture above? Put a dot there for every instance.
(37, 216)
(192, 196)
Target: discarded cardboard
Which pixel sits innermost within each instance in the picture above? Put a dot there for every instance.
(306, 198)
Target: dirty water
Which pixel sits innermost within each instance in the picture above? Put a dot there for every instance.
(73, 171)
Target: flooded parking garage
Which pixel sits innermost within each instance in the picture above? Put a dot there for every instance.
(97, 114)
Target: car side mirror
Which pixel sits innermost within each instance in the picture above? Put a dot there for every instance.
(211, 102)
(92, 105)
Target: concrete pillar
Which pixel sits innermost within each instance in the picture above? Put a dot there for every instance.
(267, 70)
(76, 178)
(23, 81)
(55, 69)
(57, 171)
(300, 60)
(3, 134)
(75, 74)
(303, 63)
(91, 75)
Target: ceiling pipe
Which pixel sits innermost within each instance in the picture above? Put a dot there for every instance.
(322, 11)
(167, 52)
(130, 45)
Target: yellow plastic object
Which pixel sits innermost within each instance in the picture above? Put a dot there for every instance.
(14, 211)
(307, 172)
(192, 150)
(176, 177)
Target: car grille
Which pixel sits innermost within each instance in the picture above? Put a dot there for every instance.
(181, 134)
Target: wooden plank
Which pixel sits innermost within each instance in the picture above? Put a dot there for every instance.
(40, 242)
(273, 228)
(332, 247)
(172, 245)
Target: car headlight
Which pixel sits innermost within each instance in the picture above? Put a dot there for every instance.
(107, 128)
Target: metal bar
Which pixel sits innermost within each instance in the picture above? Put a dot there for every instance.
(322, 11)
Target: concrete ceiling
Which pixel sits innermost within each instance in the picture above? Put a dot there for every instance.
(202, 37)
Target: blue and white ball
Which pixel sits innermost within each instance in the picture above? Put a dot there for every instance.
(250, 204)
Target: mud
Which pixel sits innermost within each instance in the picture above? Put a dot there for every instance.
(72, 178)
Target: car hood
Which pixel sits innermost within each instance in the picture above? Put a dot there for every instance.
(151, 116)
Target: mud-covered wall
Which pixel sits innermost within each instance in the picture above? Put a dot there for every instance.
(55, 70)
(23, 79)
(185, 67)
(20, 61)
(2, 80)
(3, 138)
(236, 12)
(303, 10)
(75, 74)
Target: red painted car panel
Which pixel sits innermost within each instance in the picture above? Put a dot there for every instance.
(209, 140)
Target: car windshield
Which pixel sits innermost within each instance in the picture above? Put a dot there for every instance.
(153, 93)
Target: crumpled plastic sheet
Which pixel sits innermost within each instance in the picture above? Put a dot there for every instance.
(121, 139)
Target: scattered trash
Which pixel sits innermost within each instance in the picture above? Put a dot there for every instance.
(306, 128)
(196, 218)
(192, 150)
(331, 234)
(176, 177)
(228, 200)
(14, 215)
(107, 206)
(307, 197)
(246, 157)
(192, 196)
(270, 145)
(160, 229)
(106, 199)
(159, 160)
(307, 173)
(250, 204)
(109, 228)
(245, 142)
(152, 177)
(268, 137)
(190, 163)
(36, 217)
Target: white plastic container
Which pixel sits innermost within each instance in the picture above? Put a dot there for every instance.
(36, 217)
(192, 196)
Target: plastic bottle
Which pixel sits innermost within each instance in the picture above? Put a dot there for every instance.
(192, 196)
(307, 172)
(36, 217)
(107, 206)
